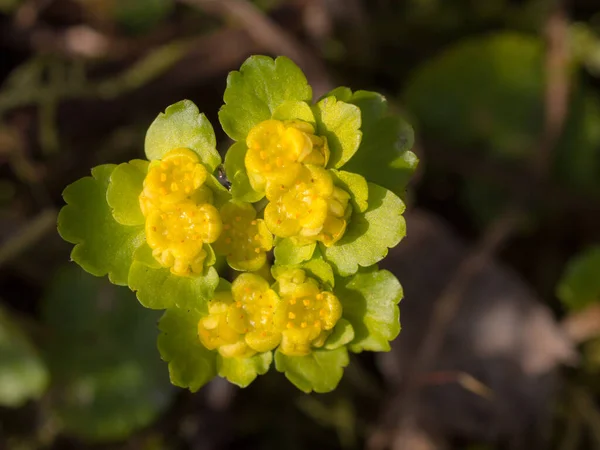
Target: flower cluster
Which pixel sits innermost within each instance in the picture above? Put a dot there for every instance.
(280, 267)
(245, 240)
(286, 161)
(252, 318)
(180, 217)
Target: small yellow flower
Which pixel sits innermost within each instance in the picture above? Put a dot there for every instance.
(309, 209)
(177, 237)
(180, 219)
(309, 313)
(177, 177)
(242, 322)
(276, 150)
(215, 332)
(245, 239)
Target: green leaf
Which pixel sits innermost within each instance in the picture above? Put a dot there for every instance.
(257, 90)
(370, 303)
(144, 255)
(372, 106)
(235, 168)
(369, 234)
(384, 155)
(243, 371)
(289, 254)
(160, 289)
(183, 126)
(124, 189)
(320, 371)
(340, 123)
(191, 365)
(102, 246)
(579, 286)
(318, 268)
(292, 110)
(23, 375)
(342, 93)
(108, 376)
(343, 332)
(355, 185)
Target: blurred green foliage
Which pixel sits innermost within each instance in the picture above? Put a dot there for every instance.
(23, 374)
(487, 94)
(138, 16)
(108, 379)
(8, 5)
(579, 286)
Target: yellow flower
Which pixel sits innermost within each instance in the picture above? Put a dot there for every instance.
(309, 209)
(215, 332)
(310, 313)
(245, 239)
(177, 237)
(180, 219)
(242, 322)
(177, 177)
(277, 148)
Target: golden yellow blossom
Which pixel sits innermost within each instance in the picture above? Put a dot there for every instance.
(245, 239)
(177, 177)
(277, 148)
(242, 322)
(177, 237)
(309, 209)
(180, 219)
(310, 313)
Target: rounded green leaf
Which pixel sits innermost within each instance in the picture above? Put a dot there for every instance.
(257, 90)
(235, 168)
(372, 106)
(23, 375)
(108, 377)
(320, 371)
(355, 185)
(369, 234)
(158, 288)
(243, 371)
(122, 195)
(370, 303)
(102, 246)
(343, 332)
(579, 286)
(318, 268)
(342, 93)
(340, 123)
(293, 110)
(289, 254)
(183, 126)
(384, 155)
(191, 365)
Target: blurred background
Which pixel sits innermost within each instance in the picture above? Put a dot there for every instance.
(500, 347)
